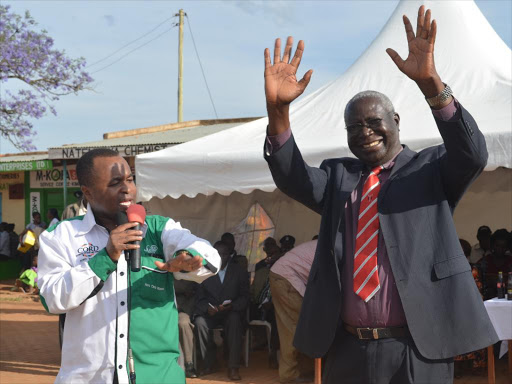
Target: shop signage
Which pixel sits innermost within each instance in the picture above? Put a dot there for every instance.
(124, 150)
(54, 178)
(35, 202)
(25, 165)
(7, 179)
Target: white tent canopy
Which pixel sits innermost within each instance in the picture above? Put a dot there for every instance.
(210, 183)
(470, 56)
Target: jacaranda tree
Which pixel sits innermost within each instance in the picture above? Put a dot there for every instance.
(37, 75)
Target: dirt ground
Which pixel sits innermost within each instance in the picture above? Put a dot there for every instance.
(29, 348)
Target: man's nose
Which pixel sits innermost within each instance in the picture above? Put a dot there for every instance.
(367, 131)
(125, 188)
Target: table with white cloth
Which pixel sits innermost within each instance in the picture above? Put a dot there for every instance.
(500, 313)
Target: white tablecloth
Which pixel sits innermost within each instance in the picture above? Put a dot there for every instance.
(500, 312)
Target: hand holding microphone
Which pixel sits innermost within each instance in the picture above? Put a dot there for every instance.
(122, 238)
(127, 235)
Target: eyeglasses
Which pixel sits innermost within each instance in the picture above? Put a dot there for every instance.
(372, 124)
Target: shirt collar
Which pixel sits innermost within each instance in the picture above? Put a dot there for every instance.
(388, 165)
(87, 223)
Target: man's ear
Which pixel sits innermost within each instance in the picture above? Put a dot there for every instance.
(86, 191)
(396, 117)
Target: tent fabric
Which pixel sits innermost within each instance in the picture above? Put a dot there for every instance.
(487, 202)
(211, 216)
(470, 57)
(251, 232)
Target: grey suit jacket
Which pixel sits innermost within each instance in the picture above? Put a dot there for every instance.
(443, 307)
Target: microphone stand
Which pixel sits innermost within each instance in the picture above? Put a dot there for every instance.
(131, 364)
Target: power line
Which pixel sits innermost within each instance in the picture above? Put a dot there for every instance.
(202, 71)
(130, 43)
(133, 50)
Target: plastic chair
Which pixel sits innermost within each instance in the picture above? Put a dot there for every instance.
(255, 323)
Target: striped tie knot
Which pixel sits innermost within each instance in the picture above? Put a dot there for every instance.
(366, 276)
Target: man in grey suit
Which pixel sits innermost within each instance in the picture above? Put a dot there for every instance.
(390, 297)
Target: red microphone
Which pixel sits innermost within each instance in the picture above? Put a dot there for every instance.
(136, 214)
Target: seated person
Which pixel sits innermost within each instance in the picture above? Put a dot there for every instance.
(229, 240)
(500, 260)
(272, 252)
(483, 247)
(27, 283)
(262, 307)
(185, 292)
(221, 301)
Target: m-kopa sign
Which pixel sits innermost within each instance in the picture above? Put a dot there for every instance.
(54, 178)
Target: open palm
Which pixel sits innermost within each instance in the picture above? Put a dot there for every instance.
(419, 64)
(281, 85)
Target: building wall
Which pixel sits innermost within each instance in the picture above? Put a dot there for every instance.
(13, 211)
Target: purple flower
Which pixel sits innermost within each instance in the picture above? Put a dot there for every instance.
(47, 73)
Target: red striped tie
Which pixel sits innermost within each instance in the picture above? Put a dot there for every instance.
(366, 274)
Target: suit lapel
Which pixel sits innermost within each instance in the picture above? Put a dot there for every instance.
(346, 185)
(402, 159)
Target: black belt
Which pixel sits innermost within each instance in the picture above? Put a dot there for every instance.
(377, 333)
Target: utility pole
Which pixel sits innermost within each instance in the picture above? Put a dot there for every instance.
(180, 68)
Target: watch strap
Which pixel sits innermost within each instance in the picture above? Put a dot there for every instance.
(438, 99)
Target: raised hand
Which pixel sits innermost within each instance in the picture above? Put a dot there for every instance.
(419, 65)
(281, 85)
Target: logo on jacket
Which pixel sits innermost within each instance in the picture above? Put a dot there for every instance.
(151, 249)
(86, 251)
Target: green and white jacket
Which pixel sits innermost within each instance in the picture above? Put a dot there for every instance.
(73, 262)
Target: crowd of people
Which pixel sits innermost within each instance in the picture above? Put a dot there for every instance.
(230, 300)
(10, 241)
(9, 248)
(491, 255)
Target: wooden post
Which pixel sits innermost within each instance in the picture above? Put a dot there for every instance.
(510, 358)
(65, 185)
(491, 374)
(180, 68)
(318, 371)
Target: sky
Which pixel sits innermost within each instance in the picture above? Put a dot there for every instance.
(140, 89)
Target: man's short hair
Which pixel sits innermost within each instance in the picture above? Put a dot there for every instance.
(85, 165)
(484, 230)
(227, 236)
(385, 101)
(500, 234)
(287, 239)
(35, 213)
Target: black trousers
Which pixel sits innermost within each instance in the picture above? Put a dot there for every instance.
(384, 361)
(233, 330)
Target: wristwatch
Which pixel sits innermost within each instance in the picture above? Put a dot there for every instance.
(438, 99)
